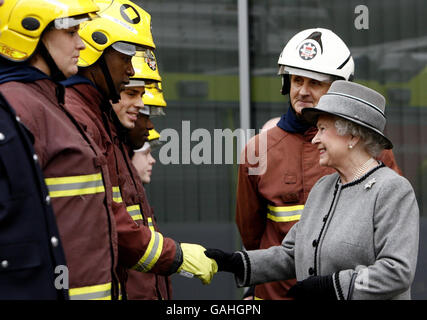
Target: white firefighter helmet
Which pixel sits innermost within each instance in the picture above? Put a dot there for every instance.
(316, 53)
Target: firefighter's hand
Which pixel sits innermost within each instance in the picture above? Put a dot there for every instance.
(195, 263)
(229, 262)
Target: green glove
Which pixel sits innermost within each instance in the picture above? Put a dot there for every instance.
(195, 263)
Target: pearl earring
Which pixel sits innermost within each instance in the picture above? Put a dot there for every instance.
(350, 146)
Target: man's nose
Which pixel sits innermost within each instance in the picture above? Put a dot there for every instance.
(130, 70)
(152, 160)
(150, 125)
(305, 89)
(138, 103)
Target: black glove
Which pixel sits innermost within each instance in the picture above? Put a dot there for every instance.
(229, 262)
(315, 287)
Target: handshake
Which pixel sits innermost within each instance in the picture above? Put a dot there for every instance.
(204, 263)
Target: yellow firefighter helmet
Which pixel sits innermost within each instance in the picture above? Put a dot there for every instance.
(22, 23)
(119, 22)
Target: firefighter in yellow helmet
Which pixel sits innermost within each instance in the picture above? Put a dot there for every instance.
(145, 286)
(143, 159)
(39, 45)
(121, 30)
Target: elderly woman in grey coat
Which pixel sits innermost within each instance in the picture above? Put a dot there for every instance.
(358, 234)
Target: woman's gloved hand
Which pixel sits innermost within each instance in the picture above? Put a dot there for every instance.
(195, 263)
(315, 287)
(229, 262)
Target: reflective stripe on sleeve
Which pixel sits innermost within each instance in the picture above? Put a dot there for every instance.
(152, 253)
(135, 212)
(97, 292)
(150, 224)
(117, 195)
(284, 214)
(75, 185)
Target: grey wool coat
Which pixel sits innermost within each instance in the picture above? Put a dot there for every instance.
(364, 233)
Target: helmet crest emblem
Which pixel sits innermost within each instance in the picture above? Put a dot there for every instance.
(307, 51)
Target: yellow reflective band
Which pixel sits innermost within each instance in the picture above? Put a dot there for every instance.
(152, 253)
(256, 298)
(117, 195)
(285, 214)
(75, 185)
(150, 224)
(135, 212)
(97, 292)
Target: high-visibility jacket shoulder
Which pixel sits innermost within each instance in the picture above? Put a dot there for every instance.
(74, 173)
(271, 195)
(139, 285)
(140, 248)
(30, 245)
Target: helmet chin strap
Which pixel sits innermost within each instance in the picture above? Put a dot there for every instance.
(55, 73)
(114, 96)
(286, 84)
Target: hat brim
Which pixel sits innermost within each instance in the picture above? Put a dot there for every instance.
(311, 114)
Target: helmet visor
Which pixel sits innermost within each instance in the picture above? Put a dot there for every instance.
(125, 48)
(156, 111)
(145, 110)
(136, 83)
(306, 73)
(69, 22)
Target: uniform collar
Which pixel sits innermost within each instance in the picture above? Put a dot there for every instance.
(291, 123)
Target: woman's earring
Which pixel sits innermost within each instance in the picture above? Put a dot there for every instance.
(350, 146)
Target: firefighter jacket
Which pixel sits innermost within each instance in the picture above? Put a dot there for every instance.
(140, 247)
(270, 203)
(30, 246)
(74, 172)
(140, 285)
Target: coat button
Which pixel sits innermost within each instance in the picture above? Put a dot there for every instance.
(314, 243)
(47, 200)
(4, 264)
(310, 271)
(54, 241)
(35, 157)
(2, 137)
(18, 119)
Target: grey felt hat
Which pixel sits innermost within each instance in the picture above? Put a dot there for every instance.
(353, 102)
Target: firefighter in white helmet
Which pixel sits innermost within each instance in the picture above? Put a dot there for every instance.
(269, 204)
